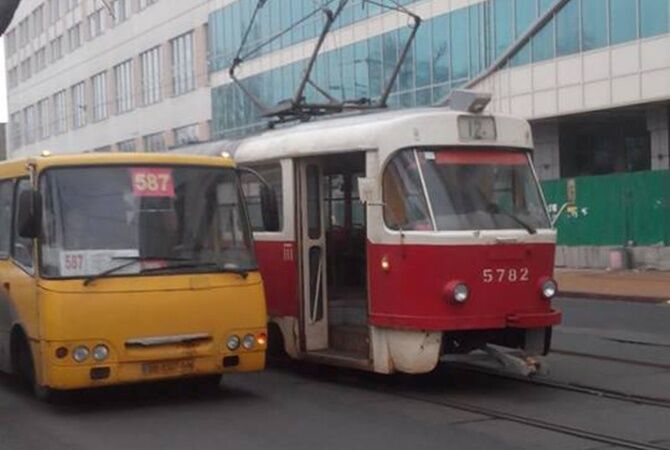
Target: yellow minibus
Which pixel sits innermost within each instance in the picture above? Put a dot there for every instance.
(126, 267)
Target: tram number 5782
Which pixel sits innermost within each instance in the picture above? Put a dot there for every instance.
(502, 275)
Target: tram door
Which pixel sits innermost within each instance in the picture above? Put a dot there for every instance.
(313, 254)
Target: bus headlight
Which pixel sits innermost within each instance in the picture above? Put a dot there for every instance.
(100, 352)
(248, 341)
(233, 342)
(549, 289)
(80, 354)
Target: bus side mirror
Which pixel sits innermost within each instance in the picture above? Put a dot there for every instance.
(269, 209)
(29, 214)
(269, 205)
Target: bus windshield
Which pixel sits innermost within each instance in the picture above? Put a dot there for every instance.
(462, 189)
(96, 219)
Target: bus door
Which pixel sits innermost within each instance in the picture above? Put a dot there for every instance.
(313, 254)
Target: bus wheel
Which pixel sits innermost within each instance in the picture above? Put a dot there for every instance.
(26, 371)
(275, 350)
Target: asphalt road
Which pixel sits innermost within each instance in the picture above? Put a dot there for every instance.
(302, 406)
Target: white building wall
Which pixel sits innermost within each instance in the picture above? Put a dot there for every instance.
(621, 75)
(154, 25)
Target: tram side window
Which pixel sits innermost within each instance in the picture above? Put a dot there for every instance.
(252, 193)
(5, 217)
(22, 250)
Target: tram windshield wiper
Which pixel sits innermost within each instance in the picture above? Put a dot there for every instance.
(495, 208)
(131, 260)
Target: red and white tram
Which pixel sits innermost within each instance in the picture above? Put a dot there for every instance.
(404, 236)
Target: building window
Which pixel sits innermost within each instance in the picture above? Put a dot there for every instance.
(56, 48)
(26, 69)
(623, 23)
(59, 123)
(120, 9)
(183, 75)
(10, 42)
(13, 77)
(186, 135)
(54, 10)
(151, 76)
(99, 83)
(96, 23)
(126, 146)
(154, 142)
(144, 3)
(594, 24)
(567, 34)
(29, 124)
(78, 105)
(24, 32)
(38, 21)
(123, 76)
(74, 36)
(654, 17)
(43, 118)
(15, 130)
(40, 58)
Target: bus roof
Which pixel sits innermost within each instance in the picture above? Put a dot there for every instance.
(18, 166)
(386, 131)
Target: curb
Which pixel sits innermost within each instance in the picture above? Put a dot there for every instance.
(612, 297)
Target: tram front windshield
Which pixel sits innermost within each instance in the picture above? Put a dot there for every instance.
(462, 189)
(161, 219)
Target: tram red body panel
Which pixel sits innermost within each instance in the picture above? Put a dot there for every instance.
(279, 268)
(411, 294)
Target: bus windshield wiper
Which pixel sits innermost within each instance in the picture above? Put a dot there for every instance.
(495, 208)
(227, 268)
(131, 260)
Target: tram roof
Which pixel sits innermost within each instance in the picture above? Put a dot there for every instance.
(386, 131)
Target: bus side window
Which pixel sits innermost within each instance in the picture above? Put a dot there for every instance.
(22, 249)
(5, 217)
(252, 193)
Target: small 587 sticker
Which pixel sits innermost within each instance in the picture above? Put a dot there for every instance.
(152, 182)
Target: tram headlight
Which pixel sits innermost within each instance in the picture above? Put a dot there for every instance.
(233, 342)
(457, 292)
(248, 341)
(461, 293)
(80, 354)
(100, 352)
(549, 289)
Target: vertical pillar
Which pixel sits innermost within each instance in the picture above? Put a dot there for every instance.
(658, 124)
(201, 68)
(546, 156)
(166, 66)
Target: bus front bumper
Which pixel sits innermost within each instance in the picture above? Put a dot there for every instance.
(67, 377)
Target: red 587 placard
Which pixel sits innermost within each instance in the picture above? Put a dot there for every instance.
(152, 182)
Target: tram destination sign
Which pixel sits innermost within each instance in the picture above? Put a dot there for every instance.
(476, 128)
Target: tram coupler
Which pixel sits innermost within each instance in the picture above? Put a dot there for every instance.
(524, 365)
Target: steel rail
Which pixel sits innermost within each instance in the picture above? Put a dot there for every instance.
(532, 422)
(573, 387)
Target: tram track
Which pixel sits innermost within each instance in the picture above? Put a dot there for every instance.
(531, 422)
(574, 387)
(632, 362)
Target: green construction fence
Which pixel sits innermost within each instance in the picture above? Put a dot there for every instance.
(613, 209)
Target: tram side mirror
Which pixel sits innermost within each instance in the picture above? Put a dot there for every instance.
(367, 190)
(29, 214)
(269, 209)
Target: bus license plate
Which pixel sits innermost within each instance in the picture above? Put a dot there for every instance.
(168, 367)
(476, 128)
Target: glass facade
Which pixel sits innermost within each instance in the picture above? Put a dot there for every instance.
(448, 50)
